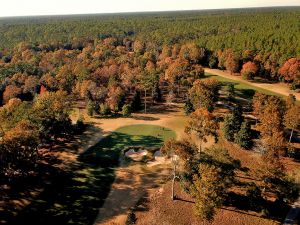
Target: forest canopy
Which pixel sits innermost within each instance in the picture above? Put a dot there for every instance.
(268, 30)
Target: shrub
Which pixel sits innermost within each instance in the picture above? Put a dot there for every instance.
(131, 219)
(126, 110)
(90, 108)
(105, 110)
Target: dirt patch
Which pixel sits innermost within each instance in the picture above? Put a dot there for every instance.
(132, 183)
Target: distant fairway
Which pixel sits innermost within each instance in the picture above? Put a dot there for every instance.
(242, 86)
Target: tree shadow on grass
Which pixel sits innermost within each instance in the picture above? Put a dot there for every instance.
(107, 151)
(74, 196)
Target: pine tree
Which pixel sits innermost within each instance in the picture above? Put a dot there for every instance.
(228, 128)
(232, 123)
(244, 137)
(231, 92)
(237, 114)
(157, 97)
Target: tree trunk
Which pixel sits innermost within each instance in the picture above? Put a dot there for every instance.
(153, 96)
(173, 181)
(291, 135)
(145, 101)
(200, 146)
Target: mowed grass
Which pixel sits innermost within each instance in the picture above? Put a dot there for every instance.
(242, 87)
(108, 149)
(75, 196)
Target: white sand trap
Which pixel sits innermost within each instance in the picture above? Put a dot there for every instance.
(158, 159)
(136, 156)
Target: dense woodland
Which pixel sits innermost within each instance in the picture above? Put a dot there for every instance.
(39, 82)
(116, 63)
(272, 31)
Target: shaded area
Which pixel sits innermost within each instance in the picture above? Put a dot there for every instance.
(74, 195)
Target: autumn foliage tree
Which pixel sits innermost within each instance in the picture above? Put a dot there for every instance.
(208, 191)
(11, 91)
(202, 123)
(19, 148)
(258, 102)
(290, 70)
(192, 52)
(204, 93)
(271, 125)
(292, 119)
(50, 113)
(231, 62)
(176, 71)
(210, 181)
(249, 70)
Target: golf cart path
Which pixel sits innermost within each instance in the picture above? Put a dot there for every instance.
(279, 88)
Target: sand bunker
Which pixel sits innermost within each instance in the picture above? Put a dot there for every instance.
(158, 159)
(136, 155)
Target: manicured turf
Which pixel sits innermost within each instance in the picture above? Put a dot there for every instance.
(108, 149)
(75, 196)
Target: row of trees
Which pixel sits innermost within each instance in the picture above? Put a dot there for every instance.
(104, 71)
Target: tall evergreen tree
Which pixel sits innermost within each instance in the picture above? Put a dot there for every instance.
(232, 123)
(244, 137)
